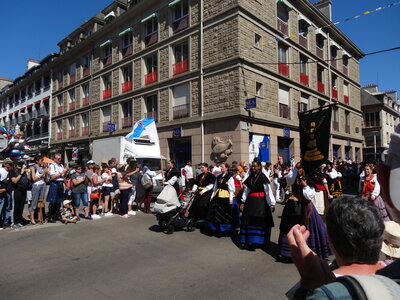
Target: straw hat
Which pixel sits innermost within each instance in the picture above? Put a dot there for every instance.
(391, 239)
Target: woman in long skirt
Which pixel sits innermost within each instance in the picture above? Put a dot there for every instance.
(202, 190)
(301, 210)
(370, 190)
(258, 203)
(220, 212)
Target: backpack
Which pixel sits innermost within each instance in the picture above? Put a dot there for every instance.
(146, 181)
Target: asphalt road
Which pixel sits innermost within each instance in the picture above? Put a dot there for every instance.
(115, 258)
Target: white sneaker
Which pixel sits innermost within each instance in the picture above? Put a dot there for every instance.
(96, 217)
(109, 214)
(132, 213)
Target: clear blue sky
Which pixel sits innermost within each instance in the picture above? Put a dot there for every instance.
(32, 29)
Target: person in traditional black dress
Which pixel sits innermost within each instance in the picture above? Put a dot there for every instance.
(220, 212)
(258, 203)
(171, 176)
(202, 190)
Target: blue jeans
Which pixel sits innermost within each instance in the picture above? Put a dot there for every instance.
(77, 199)
(8, 209)
(2, 202)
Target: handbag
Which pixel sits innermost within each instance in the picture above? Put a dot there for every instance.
(94, 195)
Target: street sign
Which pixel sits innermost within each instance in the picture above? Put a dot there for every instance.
(75, 153)
(177, 132)
(286, 132)
(250, 103)
(111, 127)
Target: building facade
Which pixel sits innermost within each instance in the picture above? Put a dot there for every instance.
(26, 101)
(191, 64)
(381, 112)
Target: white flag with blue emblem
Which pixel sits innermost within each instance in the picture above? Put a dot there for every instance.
(144, 127)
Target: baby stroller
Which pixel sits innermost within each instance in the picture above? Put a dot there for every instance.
(170, 212)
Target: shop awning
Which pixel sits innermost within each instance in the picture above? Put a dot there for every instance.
(125, 31)
(289, 6)
(10, 114)
(16, 112)
(29, 106)
(153, 15)
(173, 3)
(36, 102)
(46, 98)
(22, 109)
(105, 43)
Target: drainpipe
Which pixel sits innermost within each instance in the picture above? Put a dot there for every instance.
(202, 78)
(90, 147)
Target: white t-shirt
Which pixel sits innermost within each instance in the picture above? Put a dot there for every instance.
(3, 174)
(189, 171)
(56, 169)
(106, 177)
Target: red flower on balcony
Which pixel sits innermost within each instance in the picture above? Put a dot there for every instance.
(321, 87)
(107, 94)
(150, 78)
(346, 99)
(127, 86)
(334, 93)
(59, 110)
(72, 106)
(72, 133)
(283, 69)
(59, 135)
(85, 101)
(180, 67)
(304, 78)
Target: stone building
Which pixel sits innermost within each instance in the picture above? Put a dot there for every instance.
(191, 64)
(381, 112)
(27, 101)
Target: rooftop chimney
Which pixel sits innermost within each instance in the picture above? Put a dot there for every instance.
(325, 7)
(32, 63)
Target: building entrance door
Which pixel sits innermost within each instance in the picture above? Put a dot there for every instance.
(180, 150)
(284, 145)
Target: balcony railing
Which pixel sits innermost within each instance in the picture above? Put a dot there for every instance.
(128, 50)
(107, 61)
(320, 53)
(85, 101)
(180, 24)
(282, 26)
(335, 125)
(59, 110)
(151, 114)
(151, 39)
(347, 128)
(59, 135)
(283, 69)
(72, 78)
(345, 70)
(180, 67)
(127, 86)
(181, 111)
(72, 133)
(321, 87)
(304, 78)
(86, 71)
(85, 130)
(107, 94)
(303, 41)
(72, 106)
(346, 99)
(334, 93)
(150, 78)
(333, 62)
(126, 122)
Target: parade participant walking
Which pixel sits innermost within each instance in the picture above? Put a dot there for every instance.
(370, 190)
(220, 215)
(203, 186)
(258, 203)
(38, 174)
(276, 179)
(79, 191)
(55, 195)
